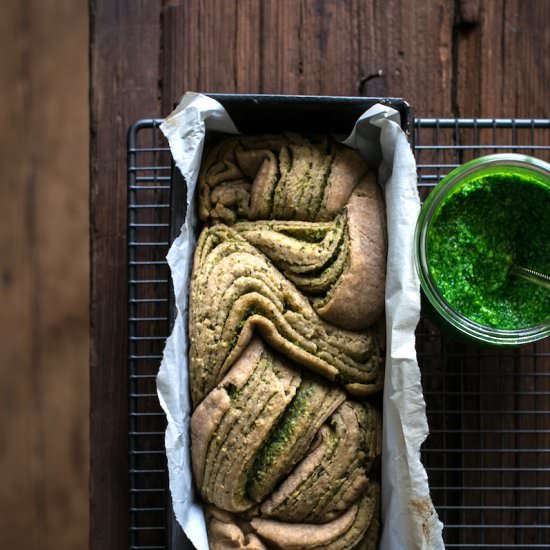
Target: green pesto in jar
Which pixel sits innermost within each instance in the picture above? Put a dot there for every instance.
(493, 220)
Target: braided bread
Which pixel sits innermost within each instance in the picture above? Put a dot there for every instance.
(287, 293)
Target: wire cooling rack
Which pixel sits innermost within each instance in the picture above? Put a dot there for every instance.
(488, 453)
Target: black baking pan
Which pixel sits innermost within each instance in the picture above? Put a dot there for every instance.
(259, 113)
(256, 113)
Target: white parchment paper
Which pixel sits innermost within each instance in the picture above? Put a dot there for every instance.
(409, 519)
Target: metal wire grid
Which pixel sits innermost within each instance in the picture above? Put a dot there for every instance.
(149, 185)
(488, 455)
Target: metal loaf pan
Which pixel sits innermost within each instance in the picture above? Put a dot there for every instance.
(258, 113)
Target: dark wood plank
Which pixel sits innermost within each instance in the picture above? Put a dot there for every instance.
(447, 58)
(210, 46)
(318, 37)
(18, 417)
(44, 288)
(407, 52)
(501, 68)
(326, 47)
(125, 42)
(501, 71)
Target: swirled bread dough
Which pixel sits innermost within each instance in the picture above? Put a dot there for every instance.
(286, 297)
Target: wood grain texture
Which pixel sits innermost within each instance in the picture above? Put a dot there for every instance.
(446, 57)
(125, 42)
(125, 45)
(501, 65)
(44, 269)
(326, 47)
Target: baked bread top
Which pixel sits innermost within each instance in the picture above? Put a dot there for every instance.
(287, 297)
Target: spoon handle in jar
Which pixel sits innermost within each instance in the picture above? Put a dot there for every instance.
(531, 275)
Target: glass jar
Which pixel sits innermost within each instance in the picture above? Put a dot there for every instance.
(499, 167)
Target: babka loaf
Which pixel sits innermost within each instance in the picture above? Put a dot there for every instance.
(286, 301)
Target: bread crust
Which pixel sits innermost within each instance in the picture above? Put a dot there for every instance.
(286, 303)
(357, 298)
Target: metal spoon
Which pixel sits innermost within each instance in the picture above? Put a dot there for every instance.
(531, 275)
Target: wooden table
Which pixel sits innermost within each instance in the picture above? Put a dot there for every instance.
(448, 58)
